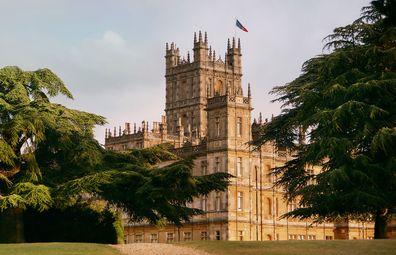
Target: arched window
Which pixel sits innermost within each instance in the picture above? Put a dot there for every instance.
(218, 88)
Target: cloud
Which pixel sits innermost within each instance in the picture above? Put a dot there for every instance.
(102, 63)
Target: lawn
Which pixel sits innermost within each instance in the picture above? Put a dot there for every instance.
(369, 247)
(57, 249)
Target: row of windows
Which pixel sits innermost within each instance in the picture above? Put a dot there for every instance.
(204, 204)
(170, 237)
(268, 206)
(304, 237)
(217, 167)
(238, 128)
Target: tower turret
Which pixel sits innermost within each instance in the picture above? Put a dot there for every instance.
(200, 48)
(234, 56)
(172, 56)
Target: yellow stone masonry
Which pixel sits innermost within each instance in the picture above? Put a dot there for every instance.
(207, 114)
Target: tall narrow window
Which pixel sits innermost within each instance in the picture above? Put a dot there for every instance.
(218, 202)
(276, 207)
(217, 126)
(203, 204)
(240, 232)
(269, 206)
(268, 173)
(203, 167)
(239, 127)
(217, 165)
(240, 201)
(239, 167)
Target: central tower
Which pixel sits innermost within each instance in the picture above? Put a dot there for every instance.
(189, 83)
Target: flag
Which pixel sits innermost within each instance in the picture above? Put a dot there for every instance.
(238, 24)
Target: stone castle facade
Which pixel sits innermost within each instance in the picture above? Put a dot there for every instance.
(209, 115)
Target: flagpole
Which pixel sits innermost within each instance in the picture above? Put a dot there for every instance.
(235, 27)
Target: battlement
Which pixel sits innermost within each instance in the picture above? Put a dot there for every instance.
(203, 57)
(227, 100)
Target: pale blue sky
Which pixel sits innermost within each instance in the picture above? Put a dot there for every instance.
(111, 53)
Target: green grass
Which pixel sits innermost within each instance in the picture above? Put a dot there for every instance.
(57, 249)
(369, 247)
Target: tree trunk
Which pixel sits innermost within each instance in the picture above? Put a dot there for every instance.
(380, 225)
(11, 226)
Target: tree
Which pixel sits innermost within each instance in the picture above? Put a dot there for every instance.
(49, 159)
(345, 102)
(26, 115)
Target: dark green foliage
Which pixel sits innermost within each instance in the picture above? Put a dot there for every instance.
(79, 223)
(154, 194)
(50, 160)
(346, 102)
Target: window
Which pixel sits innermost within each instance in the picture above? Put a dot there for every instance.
(256, 174)
(203, 167)
(170, 237)
(269, 206)
(311, 237)
(239, 166)
(218, 87)
(138, 238)
(311, 174)
(239, 127)
(217, 165)
(124, 147)
(204, 235)
(240, 201)
(293, 205)
(276, 207)
(329, 238)
(187, 236)
(301, 237)
(203, 204)
(154, 238)
(267, 173)
(218, 202)
(217, 127)
(240, 233)
(218, 235)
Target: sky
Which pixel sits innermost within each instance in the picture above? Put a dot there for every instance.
(110, 54)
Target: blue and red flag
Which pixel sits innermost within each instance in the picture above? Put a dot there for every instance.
(238, 24)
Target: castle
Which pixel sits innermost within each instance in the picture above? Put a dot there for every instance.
(209, 115)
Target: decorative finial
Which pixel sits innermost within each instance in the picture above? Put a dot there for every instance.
(206, 37)
(228, 44)
(134, 128)
(249, 94)
(233, 42)
(167, 46)
(239, 43)
(172, 46)
(188, 56)
(214, 55)
(115, 131)
(260, 119)
(200, 36)
(195, 37)
(210, 52)
(119, 131)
